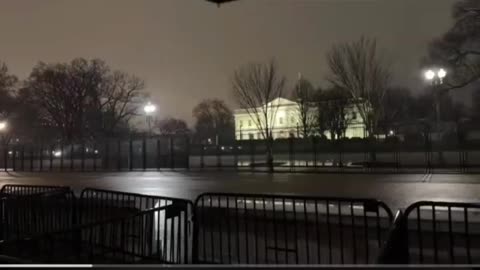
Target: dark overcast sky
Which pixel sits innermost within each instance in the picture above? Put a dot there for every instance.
(186, 50)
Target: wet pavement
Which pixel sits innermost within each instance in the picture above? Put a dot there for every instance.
(396, 190)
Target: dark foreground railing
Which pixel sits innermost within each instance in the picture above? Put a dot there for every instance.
(436, 233)
(267, 229)
(48, 224)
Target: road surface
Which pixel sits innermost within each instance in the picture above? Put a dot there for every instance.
(396, 190)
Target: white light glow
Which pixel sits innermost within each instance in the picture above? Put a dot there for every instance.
(442, 73)
(57, 153)
(149, 108)
(3, 125)
(429, 74)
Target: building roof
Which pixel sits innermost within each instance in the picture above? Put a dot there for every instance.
(276, 102)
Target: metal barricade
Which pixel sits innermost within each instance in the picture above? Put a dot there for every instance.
(443, 233)
(29, 210)
(171, 221)
(270, 229)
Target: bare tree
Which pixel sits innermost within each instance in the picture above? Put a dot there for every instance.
(83, 98)
(8, 102)
(458, 50)
(304, 94)
(332, 111)
(358, 68)
(254, 87)
(214, 119)
(172, 126)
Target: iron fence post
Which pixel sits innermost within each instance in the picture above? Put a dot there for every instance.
(291, 153)
(235, 155)
(41, 156)
(106, 164)
(72, 161)
(32, 152)
(172, 154)
(50, 156)
(82, 165)
(14, 158)
(61, 156)
(187, 150)
(144, 153)
(159, 157)
(219, 158)
(202, 154)
(95, 155)
(252, 153)
(315, 145)
(119, 155)
(130, 154)
(22, 164)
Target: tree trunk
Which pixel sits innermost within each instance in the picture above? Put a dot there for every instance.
(269, 148)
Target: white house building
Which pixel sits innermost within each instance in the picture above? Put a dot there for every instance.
(286, 122)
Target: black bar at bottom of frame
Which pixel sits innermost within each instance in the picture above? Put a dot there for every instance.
(253, 266)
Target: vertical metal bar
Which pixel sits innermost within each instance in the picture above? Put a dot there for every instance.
(165, 234)
(144, 153)
(202, 154)
(71, 157)
(235, 155)
(119, 155)
(41, 157)
(212, 229)
(274, 223)
(352, 214)
(23, 158)
(319, 260)
(245, 220)
(187, 150)
(50, 154)
(419, 234)
(329, 233)
(450, 235)
(172, 154)
(228, 230)
(379, 234)
(158, 154)
(285, 229)
(315, 144)
(32, 153)
(130, 154)
(255, 228)
(435, 246)
(340, 224)
(106, 165)
(83, 156)
(467, 235)
(265, 229)
(14, 158)
(365, 226)
(294, 205)
(252, 153)
(95, 155)
(220, 229)
(219, 158)
(290, 153)
(61, 156)
(238, 230)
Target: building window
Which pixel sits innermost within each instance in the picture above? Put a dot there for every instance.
(249, 123)
(280, 120)
(354, 115)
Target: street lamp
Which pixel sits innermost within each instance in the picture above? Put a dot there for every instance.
(3, 126)
(149, 110)
(435, 77)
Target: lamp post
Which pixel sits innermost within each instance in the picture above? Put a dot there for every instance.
(149, 110)
(435, 77)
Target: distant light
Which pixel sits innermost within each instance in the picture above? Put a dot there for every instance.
(86, 149)
(209, 140)
(17, 139)
(391, 132)
(10, 152)
(57, 153)
(239, 147)
(223, 147)
(442, 73)
(149, 108)
(3, 125)
(96, 151)
(429, 74)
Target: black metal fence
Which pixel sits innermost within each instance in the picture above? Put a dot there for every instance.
(267, 229)
(290, 155)
(47, 224)
(436, 233)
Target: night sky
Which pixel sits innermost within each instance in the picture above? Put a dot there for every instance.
(187, 50)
